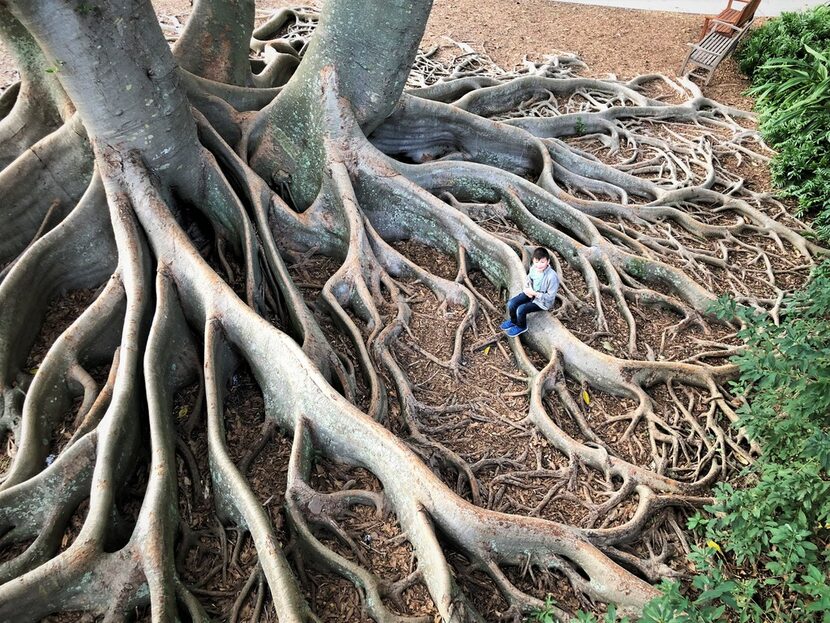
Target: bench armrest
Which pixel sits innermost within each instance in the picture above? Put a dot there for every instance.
(727, 24)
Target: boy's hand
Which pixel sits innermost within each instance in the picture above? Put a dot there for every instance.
(530, 293)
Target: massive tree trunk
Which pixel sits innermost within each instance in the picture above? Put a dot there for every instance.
(176, 187)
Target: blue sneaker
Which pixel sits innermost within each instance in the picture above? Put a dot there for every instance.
(516, 331)
(507, 324)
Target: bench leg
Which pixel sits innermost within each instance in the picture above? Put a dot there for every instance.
(709, 77)
(685, 62)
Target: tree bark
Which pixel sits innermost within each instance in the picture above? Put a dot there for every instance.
(214, 44)
(115, 65)
(369, 45)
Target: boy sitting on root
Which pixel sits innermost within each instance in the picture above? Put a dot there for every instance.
(539, 294)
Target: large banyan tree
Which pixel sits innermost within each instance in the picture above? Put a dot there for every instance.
(242, 283)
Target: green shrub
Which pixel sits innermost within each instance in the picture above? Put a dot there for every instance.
(789, 61)
(785, 37)
(547, 613)
(801, 168)
(766, 557)
(796, 90)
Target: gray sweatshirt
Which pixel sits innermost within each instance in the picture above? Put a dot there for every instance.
(546, 284)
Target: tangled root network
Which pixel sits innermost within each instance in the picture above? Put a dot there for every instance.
(250, 288)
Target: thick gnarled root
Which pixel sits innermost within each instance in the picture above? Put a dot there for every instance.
(193, 282)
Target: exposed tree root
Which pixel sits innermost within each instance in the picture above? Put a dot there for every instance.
(208, 200)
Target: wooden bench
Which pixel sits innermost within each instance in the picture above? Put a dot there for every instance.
(737, 13)
(705, 55)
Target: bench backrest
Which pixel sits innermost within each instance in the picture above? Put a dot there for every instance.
(748, 10)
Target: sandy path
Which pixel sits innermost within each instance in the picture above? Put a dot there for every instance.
(769, 8)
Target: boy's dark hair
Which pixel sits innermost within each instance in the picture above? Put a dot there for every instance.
(541, 253)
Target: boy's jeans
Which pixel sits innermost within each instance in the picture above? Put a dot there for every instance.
(519, 307)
